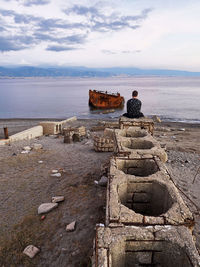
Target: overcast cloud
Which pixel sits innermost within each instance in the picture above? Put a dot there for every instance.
(100, 33)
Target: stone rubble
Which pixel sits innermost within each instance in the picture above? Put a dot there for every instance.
(57, 199)
(31, 251)
(46, 207)
(71, 227)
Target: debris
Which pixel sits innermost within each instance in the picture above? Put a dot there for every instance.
(27, 148)
(54, 171)
(40, 161)
(37, 146)
(96, 182)
(46, 207)
(31, 251)
(25, 152)
(14, 154)
(57, 199)
(71, 227)
(103, 181)
(182, 129)
(56, 174)
(43, 217)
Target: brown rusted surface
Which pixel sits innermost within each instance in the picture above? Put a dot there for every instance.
(103, 100)
(6, 132)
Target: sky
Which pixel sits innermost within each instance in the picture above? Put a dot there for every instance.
(158, 34)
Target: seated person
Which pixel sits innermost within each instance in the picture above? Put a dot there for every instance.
(133, 107)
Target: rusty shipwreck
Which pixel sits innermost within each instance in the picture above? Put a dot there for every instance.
(105, 100)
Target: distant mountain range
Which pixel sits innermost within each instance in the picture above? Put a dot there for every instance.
(88, 72)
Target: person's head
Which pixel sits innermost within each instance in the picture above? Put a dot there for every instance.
(134, 93)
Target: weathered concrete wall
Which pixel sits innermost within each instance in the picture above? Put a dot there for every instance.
(142, 123)
(145, 246)
(142, 193)
(55, 127)
(138, 143)
(24, 135)
(147, 221)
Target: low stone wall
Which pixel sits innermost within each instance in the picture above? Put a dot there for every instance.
(55, 127)
(24, 135)
(142, 123)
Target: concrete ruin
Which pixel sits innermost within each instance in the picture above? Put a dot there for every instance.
(28, 134)
(141, 193)
(147, 221)
(138, 143)
(142, 123)
(74, 134)
(55, 127)
(165, 246)
(105, 142)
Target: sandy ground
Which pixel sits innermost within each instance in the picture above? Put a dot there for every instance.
(25, 184)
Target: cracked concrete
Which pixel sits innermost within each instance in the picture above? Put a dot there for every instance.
(145, 246)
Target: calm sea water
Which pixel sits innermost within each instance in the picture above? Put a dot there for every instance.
(171, 98)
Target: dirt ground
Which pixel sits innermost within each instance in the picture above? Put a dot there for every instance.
(25, 184)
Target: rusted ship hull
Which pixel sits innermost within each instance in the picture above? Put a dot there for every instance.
(103, 100)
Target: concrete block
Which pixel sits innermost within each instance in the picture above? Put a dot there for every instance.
(141, 193)
(145, 246)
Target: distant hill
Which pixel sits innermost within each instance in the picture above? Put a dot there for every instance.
(88, 72)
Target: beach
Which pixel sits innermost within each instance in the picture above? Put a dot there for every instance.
(26, 182)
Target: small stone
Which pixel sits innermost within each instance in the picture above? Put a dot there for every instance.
(103, 181)
(40, 161)
(27, 148)
(31, 251)
(46, 207)
(25, 152)
(14, 154)
(71, 227)
(37, 146)
(56, 174)
(96, 182)
(57, 199)
(43, 217)
(54, 171)
(182, 129)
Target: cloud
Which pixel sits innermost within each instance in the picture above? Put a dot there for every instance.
(98, 21)
(36, 2)
(59, 48)
(108, 52)
(9, 44)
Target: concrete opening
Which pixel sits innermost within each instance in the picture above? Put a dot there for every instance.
(137, 167)
(140, 253)
(131, 133)
(137, 144)
(146, 198)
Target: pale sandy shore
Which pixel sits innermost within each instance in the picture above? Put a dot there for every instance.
(25, 184)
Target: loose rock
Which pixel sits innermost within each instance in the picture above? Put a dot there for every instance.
(46, 207)
(56, 174)
(27, 148)
(71, 227)
(37, 146)
(31, 251)
(57, 199)
(54, 171)
(103, 181)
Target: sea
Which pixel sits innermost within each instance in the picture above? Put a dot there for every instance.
(170, 98)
